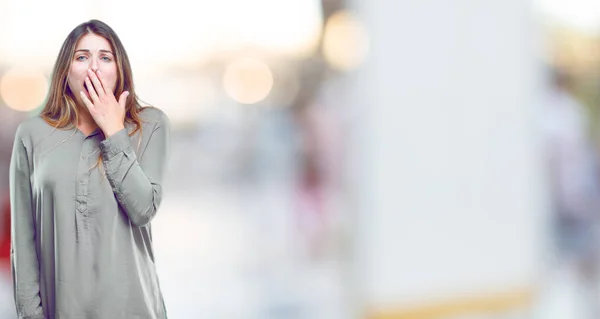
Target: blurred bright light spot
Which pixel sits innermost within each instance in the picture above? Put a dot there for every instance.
(345, 41)
(248, 80)
(188, 31)
(582, 14)
(22, 40)
(23, 89)
(282, 27)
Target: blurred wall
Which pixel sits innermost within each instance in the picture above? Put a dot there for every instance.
(447, 160)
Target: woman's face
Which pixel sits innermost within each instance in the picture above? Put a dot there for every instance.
(92, 52)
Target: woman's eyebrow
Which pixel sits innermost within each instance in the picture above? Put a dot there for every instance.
(88, 51)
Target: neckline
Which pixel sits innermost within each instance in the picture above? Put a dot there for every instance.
(95, 132)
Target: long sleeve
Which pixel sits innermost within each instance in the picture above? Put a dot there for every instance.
(138, 184)
(24, 258)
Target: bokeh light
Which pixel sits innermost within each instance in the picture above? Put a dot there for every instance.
(23, 89)
(248, 80)
(345, 41)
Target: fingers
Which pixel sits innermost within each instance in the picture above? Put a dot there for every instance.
(91, 89)
(97, 83)
(123, 99)
(86, 101)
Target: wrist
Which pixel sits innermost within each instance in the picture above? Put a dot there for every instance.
(113, 130)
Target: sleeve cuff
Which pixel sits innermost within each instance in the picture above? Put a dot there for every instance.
(115, 144)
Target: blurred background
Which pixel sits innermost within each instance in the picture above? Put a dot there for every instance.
(353, 159)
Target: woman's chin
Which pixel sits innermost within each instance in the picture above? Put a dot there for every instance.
(80, 98)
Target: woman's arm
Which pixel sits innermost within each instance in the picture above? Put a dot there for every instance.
(24, 259)
(138, 184)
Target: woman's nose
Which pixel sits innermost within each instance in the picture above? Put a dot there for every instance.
(94, 65)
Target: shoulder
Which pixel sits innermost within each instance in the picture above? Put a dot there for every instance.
(32, 125)
(31, 129)
(154, 115)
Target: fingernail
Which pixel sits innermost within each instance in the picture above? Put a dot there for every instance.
(98, 72)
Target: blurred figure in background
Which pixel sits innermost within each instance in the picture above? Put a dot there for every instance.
(574, 188)
(6, 309)
(5, 236)
(319, 183)
(311, 207)
(10, 120)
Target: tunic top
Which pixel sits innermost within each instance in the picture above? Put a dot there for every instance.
(81, 235)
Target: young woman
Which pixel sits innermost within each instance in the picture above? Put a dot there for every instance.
(86, 181)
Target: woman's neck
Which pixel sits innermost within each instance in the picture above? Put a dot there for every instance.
(85, 122)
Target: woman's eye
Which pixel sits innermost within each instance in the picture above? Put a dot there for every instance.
(105, 58)
(81, 57)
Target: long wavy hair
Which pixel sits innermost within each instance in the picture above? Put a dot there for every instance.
(60, 110)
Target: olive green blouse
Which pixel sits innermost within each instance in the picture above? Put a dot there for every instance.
(81, 235)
